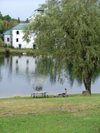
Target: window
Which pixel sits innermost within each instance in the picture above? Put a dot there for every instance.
(17, 32)
(7, 39)
(34, 46)
(28, 40)
(39, 11)
(16, 39)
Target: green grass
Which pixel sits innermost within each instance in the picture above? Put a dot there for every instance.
(18, 51)
(73, 114)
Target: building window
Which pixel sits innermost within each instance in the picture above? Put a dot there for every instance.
(34, 46)
(16, 39)
(17, 32)
(28, 40)
(39, 11)
(7, 39)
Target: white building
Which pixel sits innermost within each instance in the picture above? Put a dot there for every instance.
(14, 37)
(37, 11)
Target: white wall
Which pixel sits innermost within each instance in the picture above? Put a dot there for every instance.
(5, 39)
(24, 44)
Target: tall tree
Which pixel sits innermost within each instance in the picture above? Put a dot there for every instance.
(1, 24)
(27, 21)
(18, 20)
(2, 28)
(70, 30)
(1, 17)
(11, 24)
(7, 18)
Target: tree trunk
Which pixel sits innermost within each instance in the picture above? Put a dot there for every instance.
(87, 84)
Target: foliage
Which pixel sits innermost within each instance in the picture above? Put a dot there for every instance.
(70, 30)
(18, 20)
(1, 26)
(1, 43)
(1, 17)
(27, 21)
(11, 24)
(6, 22)
(7, 51)
(7, 18)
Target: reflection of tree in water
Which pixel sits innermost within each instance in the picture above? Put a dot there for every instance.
(59, 69)
(72, 75)
(52, 78)
(38, 80)
(38, 88)
(45, 67)
(56, 68)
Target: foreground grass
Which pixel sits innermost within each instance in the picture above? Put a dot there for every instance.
(73, 114)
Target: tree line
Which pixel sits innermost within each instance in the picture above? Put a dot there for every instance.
(6, 22)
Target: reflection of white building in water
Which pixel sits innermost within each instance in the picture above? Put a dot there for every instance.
(27, 66)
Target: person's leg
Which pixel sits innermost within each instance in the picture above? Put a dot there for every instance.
(63, 94)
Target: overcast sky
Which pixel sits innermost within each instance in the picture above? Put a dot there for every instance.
(19, 8)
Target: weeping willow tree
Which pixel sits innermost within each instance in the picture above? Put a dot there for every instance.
(69, 30)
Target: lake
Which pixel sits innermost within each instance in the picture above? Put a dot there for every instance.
(18, 77)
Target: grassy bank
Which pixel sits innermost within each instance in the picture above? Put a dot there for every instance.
(73, 114)
(14, 51)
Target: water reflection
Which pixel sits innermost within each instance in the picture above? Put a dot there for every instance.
(1, 63)
(21, 75)
(26, 66)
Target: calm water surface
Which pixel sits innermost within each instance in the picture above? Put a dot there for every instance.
(18, 77)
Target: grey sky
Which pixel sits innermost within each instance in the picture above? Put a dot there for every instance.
(19, 8)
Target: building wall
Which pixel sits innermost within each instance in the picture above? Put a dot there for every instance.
(6, 39)
(17, 39)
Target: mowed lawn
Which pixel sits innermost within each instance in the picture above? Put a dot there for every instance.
(73, 114)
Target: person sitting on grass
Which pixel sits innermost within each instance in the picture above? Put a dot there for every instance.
(63, 93)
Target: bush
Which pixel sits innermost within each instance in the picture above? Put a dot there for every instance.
(11, 46)
(1, 43)
(7, 51)
(5, 46)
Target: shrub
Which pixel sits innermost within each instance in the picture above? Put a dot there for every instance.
(7, 51)
(12, 47)
(1, 43)
(5, 46)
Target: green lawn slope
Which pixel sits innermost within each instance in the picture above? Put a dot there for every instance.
(73, 114)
